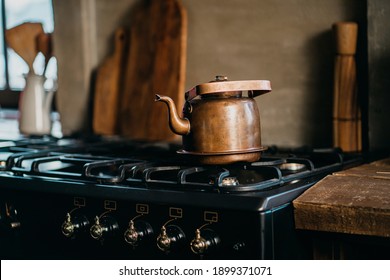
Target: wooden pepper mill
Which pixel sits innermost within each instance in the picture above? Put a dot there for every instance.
(346, 109)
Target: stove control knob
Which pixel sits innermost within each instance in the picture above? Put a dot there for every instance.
(137, 232)
(73, 225)
(204, 242)
(9, 221)
(170, 238)
(67, 227)
(104, 227)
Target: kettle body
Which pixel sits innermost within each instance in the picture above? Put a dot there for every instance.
(220, 125)
(228, 125)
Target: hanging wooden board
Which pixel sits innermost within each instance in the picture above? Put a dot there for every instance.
(108, 88)
(155, 65)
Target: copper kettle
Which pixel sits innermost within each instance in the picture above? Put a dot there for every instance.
(220, 125)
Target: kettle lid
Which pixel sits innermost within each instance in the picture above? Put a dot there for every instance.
(221, 84)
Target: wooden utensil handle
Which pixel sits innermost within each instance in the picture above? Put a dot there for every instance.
(345, 37)
(120, 39)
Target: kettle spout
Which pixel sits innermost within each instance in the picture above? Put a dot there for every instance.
(178, 125)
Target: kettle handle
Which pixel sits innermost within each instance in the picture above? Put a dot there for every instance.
(254, 88)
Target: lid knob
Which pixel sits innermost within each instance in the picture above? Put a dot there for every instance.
(220, 78)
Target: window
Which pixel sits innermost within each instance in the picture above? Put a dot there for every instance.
(12, 66)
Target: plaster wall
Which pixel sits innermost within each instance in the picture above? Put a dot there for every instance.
(288, 42)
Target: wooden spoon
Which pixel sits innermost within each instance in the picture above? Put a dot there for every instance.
(44, 45)
(22, 39)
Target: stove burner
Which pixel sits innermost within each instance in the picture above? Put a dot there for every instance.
(292, 166)
(268, 161)
(230, 181)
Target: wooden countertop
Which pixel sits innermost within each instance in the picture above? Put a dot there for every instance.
(353, 201)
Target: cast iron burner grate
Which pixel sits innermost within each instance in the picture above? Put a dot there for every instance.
(157, 166)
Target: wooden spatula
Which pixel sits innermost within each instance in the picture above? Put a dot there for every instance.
(44, 45)
(22, 39)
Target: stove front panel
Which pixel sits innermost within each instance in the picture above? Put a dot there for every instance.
(37, 225)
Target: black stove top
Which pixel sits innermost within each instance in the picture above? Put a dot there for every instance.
(157, 165)
(134, 175)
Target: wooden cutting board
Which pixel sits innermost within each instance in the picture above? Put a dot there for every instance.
(108, 88)
(155, 64)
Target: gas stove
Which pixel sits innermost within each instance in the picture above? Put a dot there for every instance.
(122, 199)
